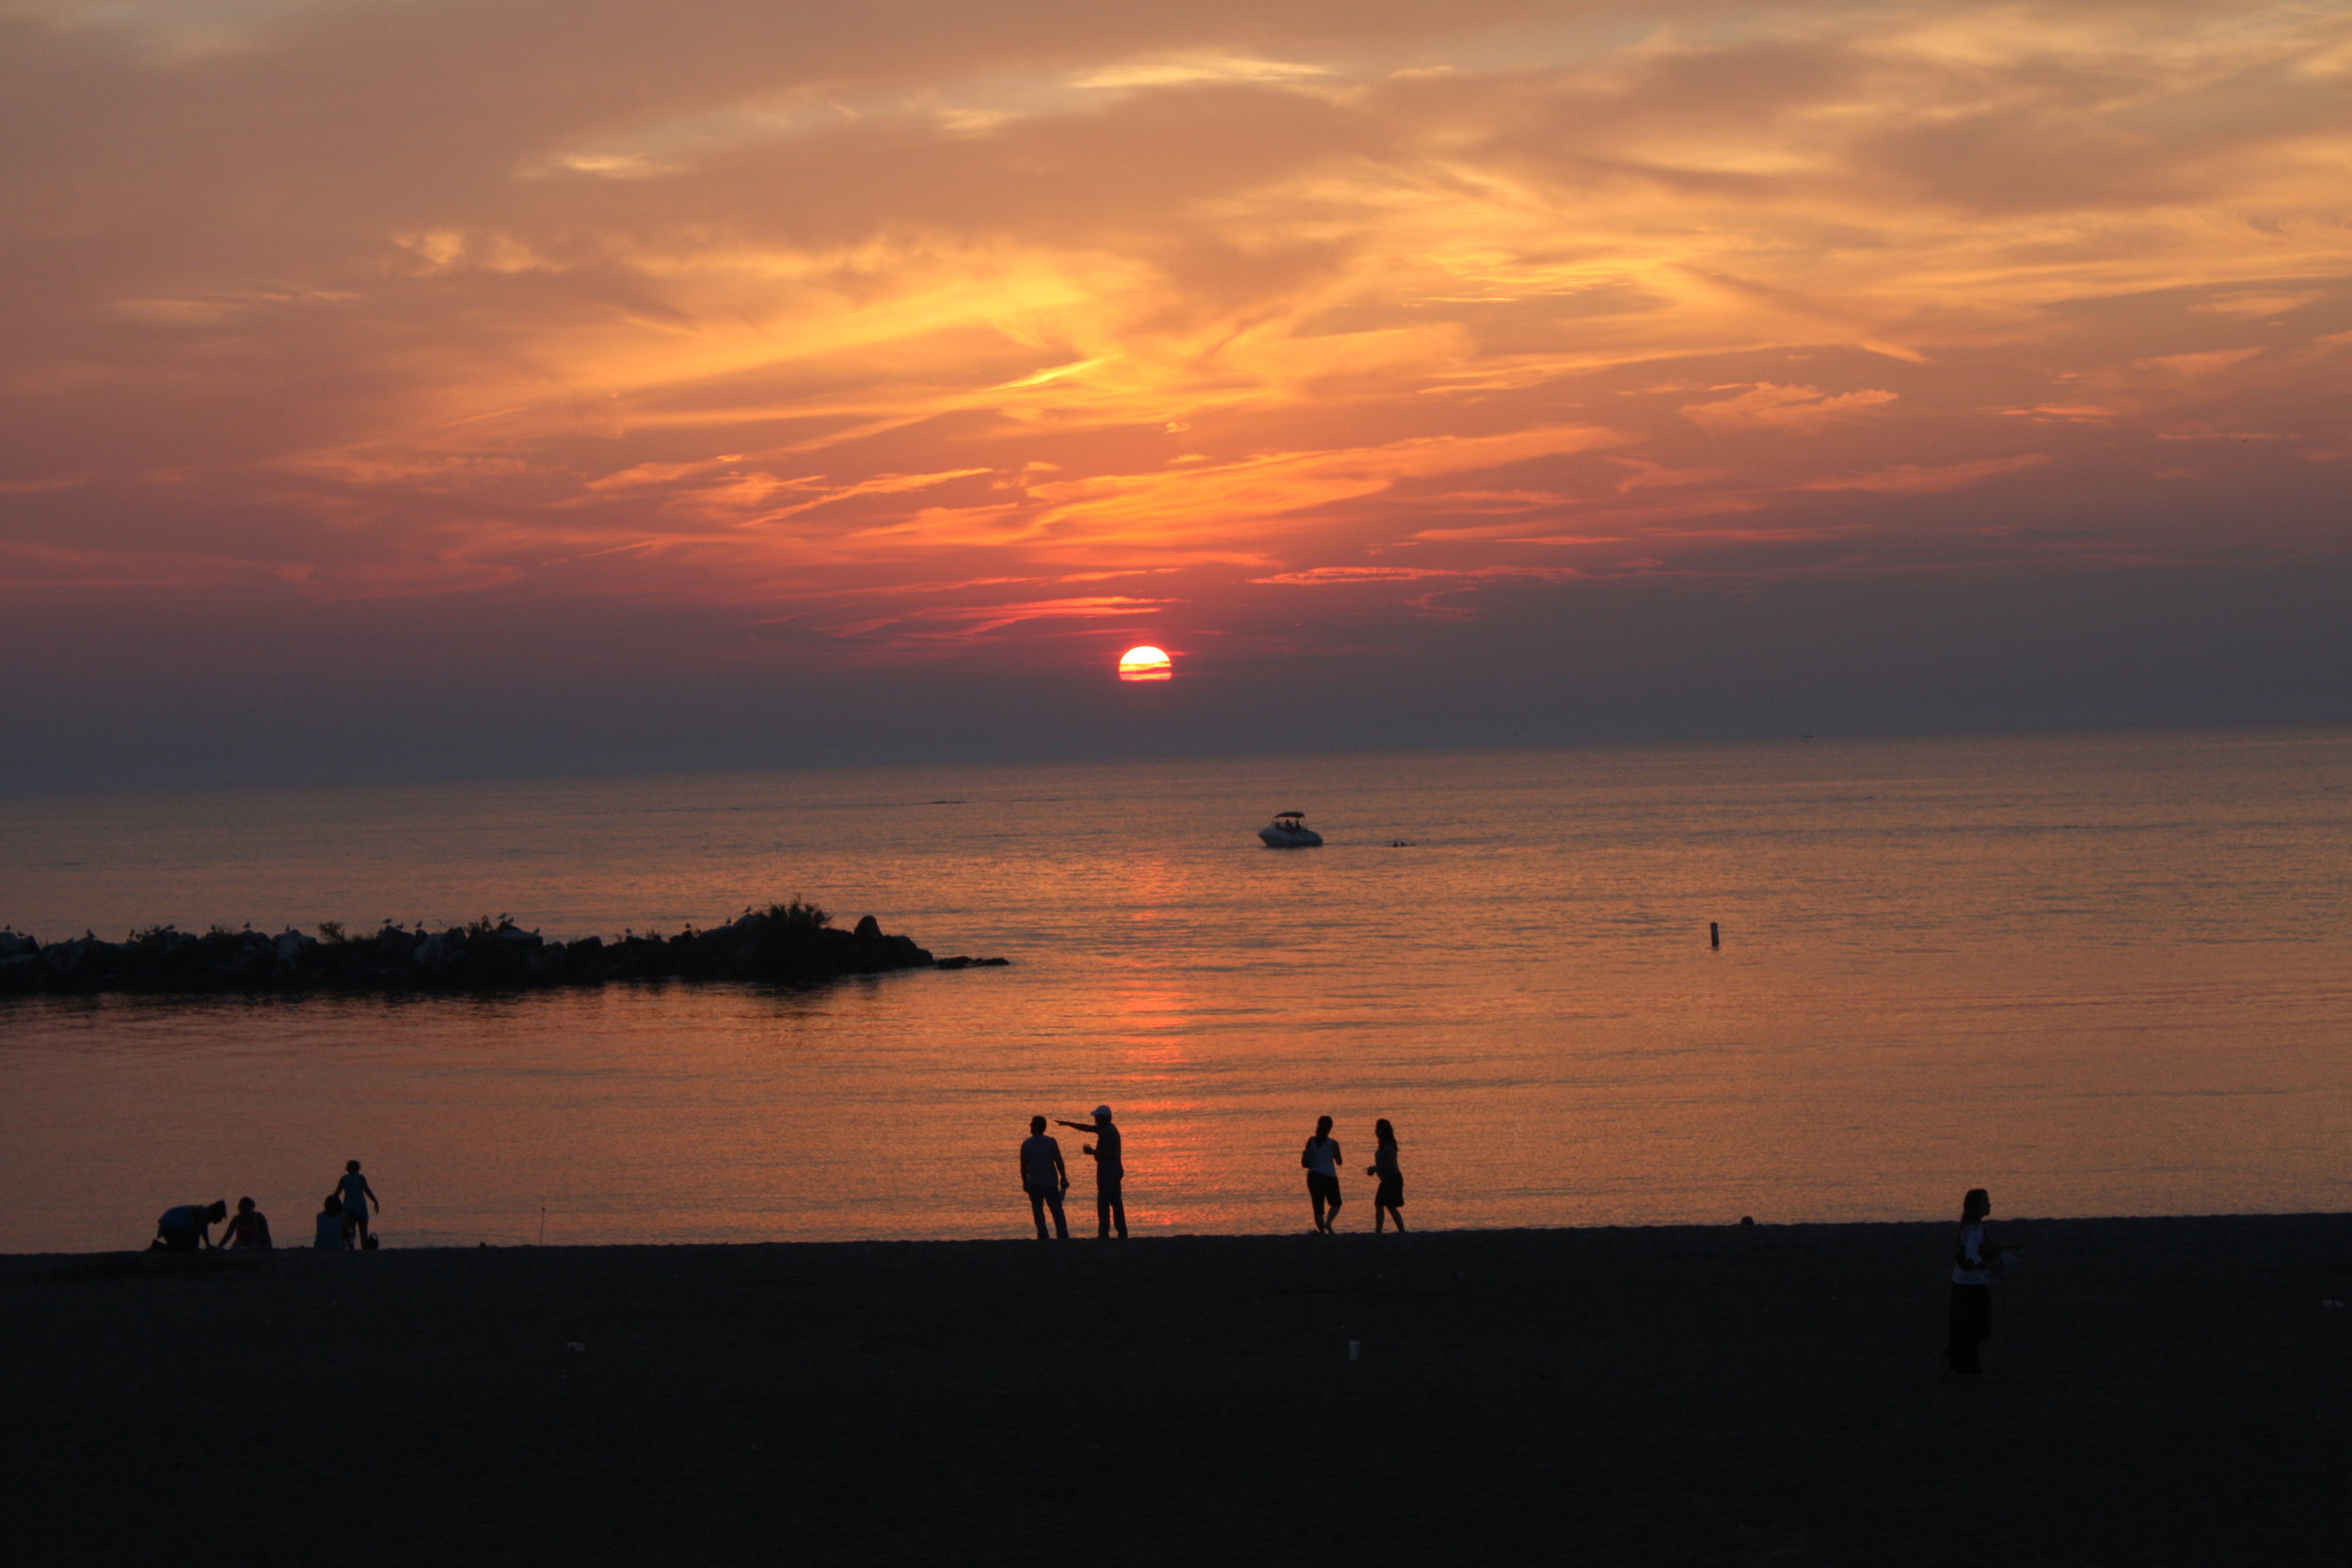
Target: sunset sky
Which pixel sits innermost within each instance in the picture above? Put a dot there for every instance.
(392, 388)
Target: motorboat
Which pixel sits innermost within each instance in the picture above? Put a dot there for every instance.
(1289, 831)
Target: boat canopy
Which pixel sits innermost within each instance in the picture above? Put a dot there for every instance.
(1282, 813)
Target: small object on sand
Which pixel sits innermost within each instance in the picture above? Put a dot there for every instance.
(575, 1345)
(2331, 1304)
(1747, 1219)
(1353, 1347)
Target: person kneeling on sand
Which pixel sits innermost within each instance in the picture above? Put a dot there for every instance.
(1044, 1178)
(188, 1226)
(250, 1230)
(333, 1234)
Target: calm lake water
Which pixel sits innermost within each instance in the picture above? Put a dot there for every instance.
(2099, 975)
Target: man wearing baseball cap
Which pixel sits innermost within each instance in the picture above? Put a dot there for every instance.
(1109, 1207)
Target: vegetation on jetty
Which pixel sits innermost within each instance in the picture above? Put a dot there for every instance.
(794, 944)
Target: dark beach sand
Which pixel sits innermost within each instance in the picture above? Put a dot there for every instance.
(2165, 1391)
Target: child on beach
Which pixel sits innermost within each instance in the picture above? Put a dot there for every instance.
(1388, 1201)
(188, 1226)
(356, 1195)
(1321, 1159)
(250, 1230)
(333, 1235)
(1975, 1261)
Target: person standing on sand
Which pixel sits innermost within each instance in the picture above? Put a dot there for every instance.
(1388, 1199)
(1321, 1159)
(1110, 1208)
(356, 1195)
(1975, 1261)
(188, 1226)
(250, 1230)
(1044, 1178)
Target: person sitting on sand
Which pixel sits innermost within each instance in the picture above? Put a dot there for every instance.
(1388, 1198)
(250, 1230)
(333, 1234)
(188, 1226)
(1044, 1178)
(1110, 1169)
(1321, 1159)
(1975, 1261)
(358, 1195)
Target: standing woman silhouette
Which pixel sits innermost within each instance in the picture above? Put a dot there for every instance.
(1975, 1261)
(1388, 1199)
(1321, 1159)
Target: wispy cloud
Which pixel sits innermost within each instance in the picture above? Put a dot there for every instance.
(782, 306)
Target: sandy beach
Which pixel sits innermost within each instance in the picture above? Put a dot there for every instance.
(2163, 1390)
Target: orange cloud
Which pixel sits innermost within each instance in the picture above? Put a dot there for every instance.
(1915, 479)
(1803, 409)
(825, 311)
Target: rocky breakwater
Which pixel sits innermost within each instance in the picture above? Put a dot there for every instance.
(794, 944)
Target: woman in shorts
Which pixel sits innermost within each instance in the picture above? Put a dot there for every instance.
(1321, 1159)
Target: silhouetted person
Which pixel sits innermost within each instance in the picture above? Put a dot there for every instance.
(189, 1227)
(1321, 1159)
(1975, 1261)
(333, 1234)
(1388, 1199)
(249, 1229)
(1044, 1178)
(1110, 1208)
(356, 1195)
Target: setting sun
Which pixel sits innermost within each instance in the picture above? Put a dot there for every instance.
(1145, 663)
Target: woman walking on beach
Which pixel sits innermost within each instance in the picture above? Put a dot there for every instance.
(1388, 1199)
(1975, 1261)
(1321, 1159)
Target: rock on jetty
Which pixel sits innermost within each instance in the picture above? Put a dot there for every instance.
(794, 943)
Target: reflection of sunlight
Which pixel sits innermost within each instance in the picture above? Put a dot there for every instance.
(1153, 1026)
(1167, 1163)
(1151, 884)
(1157, 1019)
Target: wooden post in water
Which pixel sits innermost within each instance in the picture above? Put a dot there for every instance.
(1714, 934)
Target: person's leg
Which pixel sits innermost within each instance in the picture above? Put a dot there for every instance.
(1971, 1321)
(1061, 1224)
(1396, 1213)
(1118, 1209)
(1331, 1205)
(1315, 1198)
(1037, 1212)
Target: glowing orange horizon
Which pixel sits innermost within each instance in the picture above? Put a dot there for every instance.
(1145, 663)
